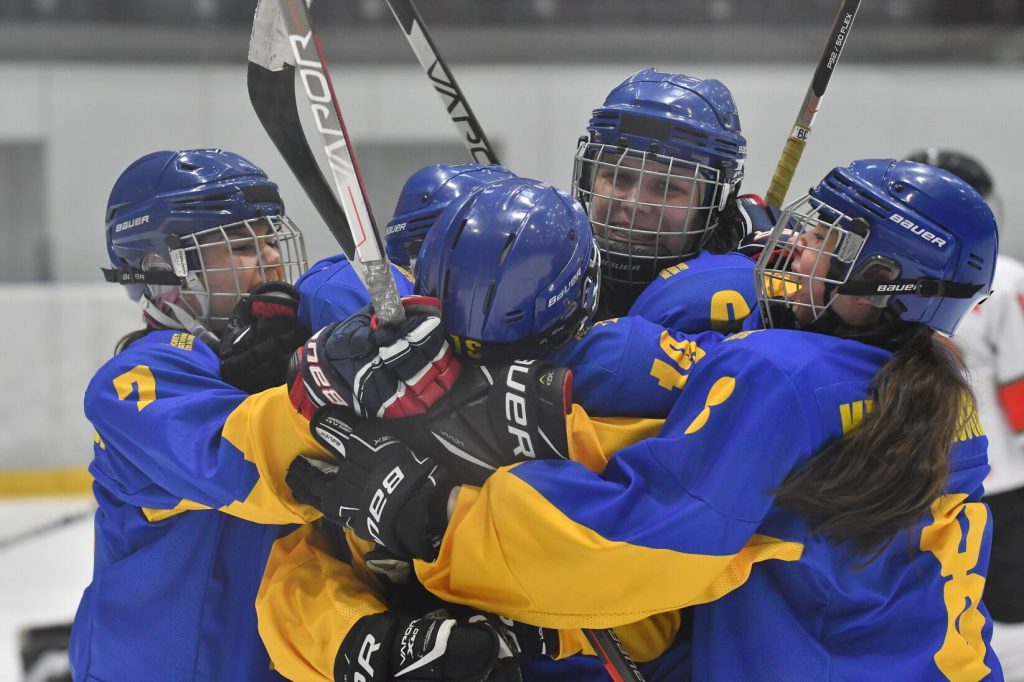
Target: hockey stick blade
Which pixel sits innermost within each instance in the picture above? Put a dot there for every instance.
(271, 92)
(794, 147)
(271, 83)
(311, 68)
(455, 103)
(273, 59)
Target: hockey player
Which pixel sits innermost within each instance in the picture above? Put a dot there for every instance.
(989, 342)
(659, 172)
(861, 455)
(184, 463)
(331, 290)
(515, 270)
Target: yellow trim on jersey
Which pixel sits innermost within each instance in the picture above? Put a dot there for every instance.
(593, 440)
(40, 482)
(307, 602)
(406, 273)
(575, 588)
(158, 515)
(271, 433)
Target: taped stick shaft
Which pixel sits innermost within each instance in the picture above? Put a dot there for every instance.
(794, 146)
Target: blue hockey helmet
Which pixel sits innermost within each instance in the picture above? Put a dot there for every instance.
(425, 194)
(914, 240)
(662, 158)
(515, 267)
(965, 167)
(167, 214)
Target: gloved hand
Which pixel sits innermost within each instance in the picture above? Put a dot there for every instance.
(379, 487)
(439, 646)
(378, 371)
(758, 220)
(494, 416)
(262, 335)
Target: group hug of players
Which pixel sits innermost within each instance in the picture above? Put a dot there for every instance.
(649, 404)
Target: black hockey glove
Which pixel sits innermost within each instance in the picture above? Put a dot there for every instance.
(494, 416)
(439, 646)
(379, 487)
(263, 332)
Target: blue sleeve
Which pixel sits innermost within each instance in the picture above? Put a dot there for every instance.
(159, 408)
(331, 291)
(170, 434)
(683, 504)
(688, 478)
(629, 367)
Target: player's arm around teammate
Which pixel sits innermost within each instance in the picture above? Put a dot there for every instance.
(851, 454)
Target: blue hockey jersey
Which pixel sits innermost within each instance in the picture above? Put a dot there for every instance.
(709, 292)
(189, 478)
(687, 519)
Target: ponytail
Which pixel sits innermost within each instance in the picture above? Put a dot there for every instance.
(880, 477)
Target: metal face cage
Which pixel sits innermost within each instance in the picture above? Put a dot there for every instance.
(648, 211)
(221, 264)
(812, 250)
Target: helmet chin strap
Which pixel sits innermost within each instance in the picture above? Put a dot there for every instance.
(181, 320)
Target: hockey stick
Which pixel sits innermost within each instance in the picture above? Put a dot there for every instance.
(794, 147)
(609, 649)
(283, 42)
(440, 75)
(45, 528)
(616, 660)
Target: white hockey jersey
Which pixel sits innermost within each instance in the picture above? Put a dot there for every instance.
(991, 340)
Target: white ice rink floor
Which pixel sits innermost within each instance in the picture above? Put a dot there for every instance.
(41, 579)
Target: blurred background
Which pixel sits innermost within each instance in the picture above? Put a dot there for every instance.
(87, 86)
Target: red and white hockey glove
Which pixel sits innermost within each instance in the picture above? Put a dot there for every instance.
(383, 371)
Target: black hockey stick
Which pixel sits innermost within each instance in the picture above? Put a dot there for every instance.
(440, 75)
(613, 655)
(794, 147)
(283, 43)
(45, 528)
(609, 649)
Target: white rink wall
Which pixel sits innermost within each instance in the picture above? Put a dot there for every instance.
(55, 336)
(91, 120)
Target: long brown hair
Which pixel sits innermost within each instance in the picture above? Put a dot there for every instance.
(130, 338)
(880, 477)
